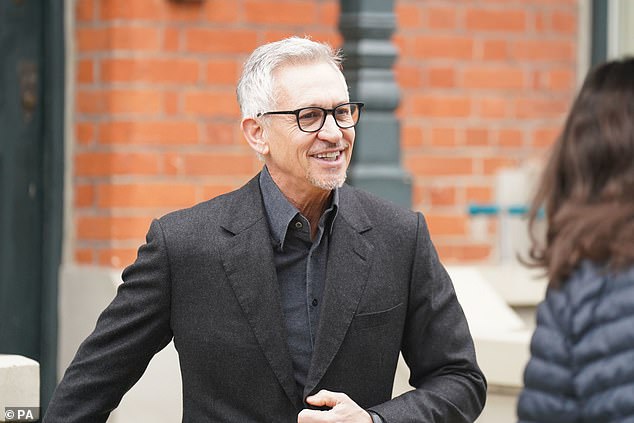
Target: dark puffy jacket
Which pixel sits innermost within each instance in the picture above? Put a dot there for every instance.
(582, 352)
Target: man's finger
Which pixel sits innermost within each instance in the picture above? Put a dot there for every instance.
(326, 398)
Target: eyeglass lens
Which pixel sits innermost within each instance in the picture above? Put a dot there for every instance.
(313, 118)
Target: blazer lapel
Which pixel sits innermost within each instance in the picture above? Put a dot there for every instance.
(349, 258)
(250, 269)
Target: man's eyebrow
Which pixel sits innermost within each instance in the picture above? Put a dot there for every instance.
(332, 106)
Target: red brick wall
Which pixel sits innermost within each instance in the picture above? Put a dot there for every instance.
(485, 84)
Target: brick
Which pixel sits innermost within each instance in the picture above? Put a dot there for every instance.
(443, 137)
(475, 252)
(451, 253)
(411, 136)
(498, 77)
(442, 196)
(493, 107)
(441, 17)
(543, 50)
(117, 257)
(561, 80)
(221, 11)
(419, 194)
(404, 45)
(84, 196)
(117, 163)
(327, 36)
(219, 164)
(172, 164)
(446, 225)
(89, 101)
(149, 132)
(477, 137)
(134, 38)
(328, 13)
(277, 34)
(332, 38)
(564, 22)
(85, 71)
(441, 106)
(223, 72)
(160, 70)
(495, 20)
(445, 47)
(510, 138)
(105, 228)
(172, 103)
(132, 10)
(545, 137)
(168, 195)
(542, 20)
(441, 77)
(84, 256)
(297, 12)
(172, 39)
(202, 40)
(495, 50)
(435, 165)
(205, 103)
(478, 194)
(535, 108)
(214, 190)
(85, 132)
(408, 76)
(133, 101)
(91, 39)
(490, 165)
(185, 12)
(220, 133)
(408, 16)
(85, 10)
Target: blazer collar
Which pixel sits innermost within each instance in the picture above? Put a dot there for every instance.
(248, 262)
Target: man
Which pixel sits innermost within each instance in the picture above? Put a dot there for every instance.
(290, 298)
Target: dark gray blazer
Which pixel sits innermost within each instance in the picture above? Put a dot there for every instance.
(206, 278)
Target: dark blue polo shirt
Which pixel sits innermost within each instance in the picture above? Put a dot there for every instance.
(301, 269)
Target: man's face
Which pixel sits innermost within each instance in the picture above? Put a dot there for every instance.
(304, 161)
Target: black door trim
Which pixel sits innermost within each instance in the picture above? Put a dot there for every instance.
(53, 79)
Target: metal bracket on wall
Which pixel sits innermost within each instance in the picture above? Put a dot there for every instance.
(27, 72)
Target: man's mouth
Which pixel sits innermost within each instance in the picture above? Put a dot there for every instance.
(330, 156)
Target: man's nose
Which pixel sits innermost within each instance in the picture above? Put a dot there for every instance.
(330, 131)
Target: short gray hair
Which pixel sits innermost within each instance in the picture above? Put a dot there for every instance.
(256, 85)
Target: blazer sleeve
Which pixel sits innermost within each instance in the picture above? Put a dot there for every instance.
(549, 394)
(134, 327)
(437, 347)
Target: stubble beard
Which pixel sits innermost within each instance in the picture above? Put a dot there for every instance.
(329, 182)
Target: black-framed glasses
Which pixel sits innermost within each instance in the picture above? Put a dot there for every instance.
(312, 119)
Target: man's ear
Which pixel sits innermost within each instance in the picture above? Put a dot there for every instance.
(254, 133)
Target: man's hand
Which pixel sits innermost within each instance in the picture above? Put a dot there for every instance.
(342, 409)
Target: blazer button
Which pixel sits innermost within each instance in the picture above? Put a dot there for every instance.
(315, 302)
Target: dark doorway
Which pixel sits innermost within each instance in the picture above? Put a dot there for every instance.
(31, 168)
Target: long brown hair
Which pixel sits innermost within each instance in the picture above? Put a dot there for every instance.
(587, 188)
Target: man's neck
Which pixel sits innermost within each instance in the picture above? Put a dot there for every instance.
(311, 201)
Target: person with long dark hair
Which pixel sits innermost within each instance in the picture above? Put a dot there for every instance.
(582, 352)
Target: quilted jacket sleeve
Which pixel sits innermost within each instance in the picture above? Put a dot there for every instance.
(548, 394)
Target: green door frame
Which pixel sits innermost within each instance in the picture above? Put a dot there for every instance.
(53, 78)
(599, 31)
